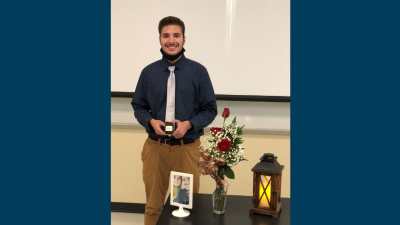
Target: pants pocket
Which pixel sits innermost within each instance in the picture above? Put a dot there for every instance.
(146, 149)
(193, 151)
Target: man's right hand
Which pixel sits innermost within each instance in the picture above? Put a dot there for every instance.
(156, 124)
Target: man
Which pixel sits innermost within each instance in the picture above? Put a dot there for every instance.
(184, 193)
(177, 90)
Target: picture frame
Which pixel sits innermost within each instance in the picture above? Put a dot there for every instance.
(181, 190)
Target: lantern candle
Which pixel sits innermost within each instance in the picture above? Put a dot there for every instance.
(263, 199)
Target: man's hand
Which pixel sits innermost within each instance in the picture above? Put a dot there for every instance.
(156, 124)
(181, 129)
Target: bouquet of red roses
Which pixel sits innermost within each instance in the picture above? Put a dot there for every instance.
(221, 150)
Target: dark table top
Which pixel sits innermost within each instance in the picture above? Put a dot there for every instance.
(236, 213)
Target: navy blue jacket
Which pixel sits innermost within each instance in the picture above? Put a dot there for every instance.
(194, 95)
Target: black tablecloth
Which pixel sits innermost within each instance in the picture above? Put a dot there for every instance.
(236, 213)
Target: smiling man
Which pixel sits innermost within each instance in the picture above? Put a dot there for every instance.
(185, 193)
(173, 90)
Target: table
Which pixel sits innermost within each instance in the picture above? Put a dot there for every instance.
(236, 213)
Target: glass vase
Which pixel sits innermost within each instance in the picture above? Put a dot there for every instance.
(219, 199)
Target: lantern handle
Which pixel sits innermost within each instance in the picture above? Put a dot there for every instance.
(268, 157)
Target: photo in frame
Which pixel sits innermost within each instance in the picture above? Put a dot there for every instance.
(181, 192)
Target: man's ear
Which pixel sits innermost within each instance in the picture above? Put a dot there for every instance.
(159, 39)
(184, 39)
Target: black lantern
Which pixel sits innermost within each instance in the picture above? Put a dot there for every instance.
(267, 180)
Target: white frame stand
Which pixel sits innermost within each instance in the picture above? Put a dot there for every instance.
(180, 212)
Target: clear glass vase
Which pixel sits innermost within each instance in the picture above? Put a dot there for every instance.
(219, 199)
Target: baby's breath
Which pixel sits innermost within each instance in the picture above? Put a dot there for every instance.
(230, 132)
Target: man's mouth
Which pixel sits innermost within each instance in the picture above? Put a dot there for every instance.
(172, 47)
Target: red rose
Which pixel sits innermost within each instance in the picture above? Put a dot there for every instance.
(226, 113)
(215, 130)
(224, 145)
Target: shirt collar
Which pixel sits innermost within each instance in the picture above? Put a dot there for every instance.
(179, 64)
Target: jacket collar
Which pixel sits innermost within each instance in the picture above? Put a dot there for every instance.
(178, 65)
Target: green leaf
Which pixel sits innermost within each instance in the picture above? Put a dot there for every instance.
(238, 141)
(228, 172)
(234, 120)
(240, 130)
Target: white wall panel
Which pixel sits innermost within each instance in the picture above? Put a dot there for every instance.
(244, 44)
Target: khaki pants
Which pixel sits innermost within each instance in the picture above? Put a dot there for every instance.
(158, 160)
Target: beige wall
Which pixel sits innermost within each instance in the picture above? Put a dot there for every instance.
(126, 166)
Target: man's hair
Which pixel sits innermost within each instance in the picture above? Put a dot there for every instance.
(171, 20)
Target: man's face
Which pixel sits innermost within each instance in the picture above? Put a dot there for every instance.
(186, 182)
(172, 39)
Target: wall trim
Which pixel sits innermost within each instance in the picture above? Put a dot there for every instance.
(127, 207)
(244, 98)
(136, 126)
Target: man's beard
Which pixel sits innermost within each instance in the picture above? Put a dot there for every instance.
(172, 57)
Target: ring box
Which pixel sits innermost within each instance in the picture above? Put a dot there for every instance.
(169, 128)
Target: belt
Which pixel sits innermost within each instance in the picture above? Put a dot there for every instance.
(173, 141)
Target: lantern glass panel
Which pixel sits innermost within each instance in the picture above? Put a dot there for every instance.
(265, 191)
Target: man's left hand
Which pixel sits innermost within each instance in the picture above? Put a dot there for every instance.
(181, 129)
